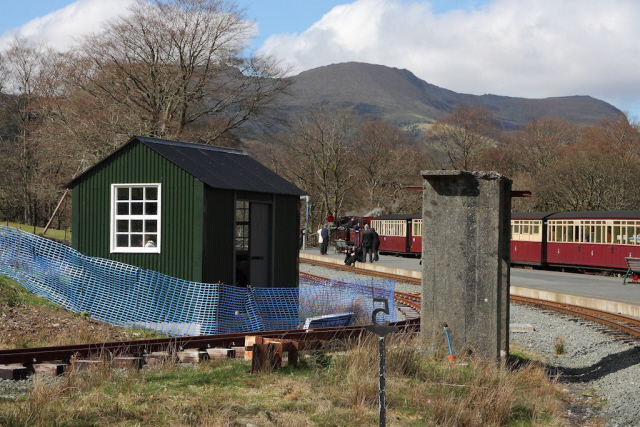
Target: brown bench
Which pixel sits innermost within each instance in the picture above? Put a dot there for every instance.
(633, 271)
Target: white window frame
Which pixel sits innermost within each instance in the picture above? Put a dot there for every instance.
(114, 233)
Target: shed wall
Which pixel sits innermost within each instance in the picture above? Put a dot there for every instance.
(218, 255)
(286, 241)
(182, 201)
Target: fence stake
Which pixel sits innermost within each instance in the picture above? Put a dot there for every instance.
(381, 331)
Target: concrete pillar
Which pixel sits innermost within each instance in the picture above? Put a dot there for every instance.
(465, 261)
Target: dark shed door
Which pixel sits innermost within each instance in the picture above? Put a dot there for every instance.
(260, 245)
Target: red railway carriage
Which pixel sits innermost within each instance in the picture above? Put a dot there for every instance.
(598, 240)
(595, 239)
(399, 233)
(528, 237)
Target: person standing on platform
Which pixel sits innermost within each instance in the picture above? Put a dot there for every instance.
(376, 244)
(324, 239)
(367, 243)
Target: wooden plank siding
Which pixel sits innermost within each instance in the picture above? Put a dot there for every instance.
(181, 212)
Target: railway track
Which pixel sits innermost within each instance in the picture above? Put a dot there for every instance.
(407, 303)
(624, 324)
(627, 325)
(355, 269)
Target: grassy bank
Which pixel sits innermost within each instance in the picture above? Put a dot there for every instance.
(64, 235)
(333, 389)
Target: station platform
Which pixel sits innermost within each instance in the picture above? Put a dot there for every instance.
(592, 291)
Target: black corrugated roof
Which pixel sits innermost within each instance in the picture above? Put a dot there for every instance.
(218, 167)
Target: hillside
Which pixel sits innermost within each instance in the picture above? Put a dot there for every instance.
(401, 97)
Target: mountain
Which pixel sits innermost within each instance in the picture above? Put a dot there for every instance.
(404, 99)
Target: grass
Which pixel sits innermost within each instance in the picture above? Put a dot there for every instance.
(63, 235)
(421, 390)
(12, 295)
(335, 387)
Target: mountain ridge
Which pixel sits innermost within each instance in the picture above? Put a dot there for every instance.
(401, 97)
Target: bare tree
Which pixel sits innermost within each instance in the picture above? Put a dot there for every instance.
(616, 135)
(384, 165)
(463, 134)
(4, 73)
(24, 62)
(588, 180)
(538, 144)
(174, 62)
(315, 153)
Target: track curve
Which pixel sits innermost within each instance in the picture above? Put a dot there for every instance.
(408, 301)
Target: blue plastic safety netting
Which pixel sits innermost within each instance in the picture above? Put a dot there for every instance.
(133, 297)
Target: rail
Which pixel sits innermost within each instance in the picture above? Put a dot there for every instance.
(628, 325)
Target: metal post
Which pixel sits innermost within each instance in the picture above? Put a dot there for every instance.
(382, 388)
(306, 229)
(381, 331)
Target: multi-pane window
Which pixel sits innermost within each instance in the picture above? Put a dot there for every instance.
(135, 219)
(595, 231)
(416, 227)
(242, 225)
(390, 227)
(526, 230)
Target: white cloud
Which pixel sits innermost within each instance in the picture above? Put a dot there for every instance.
(61, 27)
(529, 48)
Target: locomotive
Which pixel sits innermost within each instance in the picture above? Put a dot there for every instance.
(592, 240)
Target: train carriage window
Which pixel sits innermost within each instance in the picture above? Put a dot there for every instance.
(633, 232)
(617, 235)
(528, 230)
(392, 228)
(558, 233)
(416, 227)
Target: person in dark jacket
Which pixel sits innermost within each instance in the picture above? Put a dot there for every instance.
(367, 243)
(376, 244)
(324, 235)
(353, 254)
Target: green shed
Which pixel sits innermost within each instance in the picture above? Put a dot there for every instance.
(196, 212)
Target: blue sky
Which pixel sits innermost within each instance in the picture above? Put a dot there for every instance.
(524, 48)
